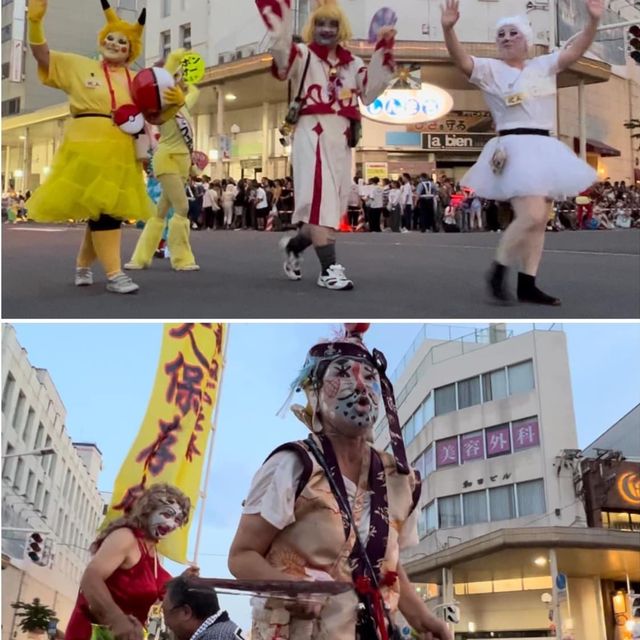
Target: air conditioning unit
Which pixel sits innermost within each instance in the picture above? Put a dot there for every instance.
(247, 51)
(226, 56)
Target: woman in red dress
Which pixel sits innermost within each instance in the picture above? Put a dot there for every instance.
(124, 577)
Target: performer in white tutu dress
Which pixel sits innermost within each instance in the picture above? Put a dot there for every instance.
(327, 81)
(523, 164)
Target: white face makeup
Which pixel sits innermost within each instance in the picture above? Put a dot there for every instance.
(165, 519)
(350, 396)
(325, 32)
(115, 48)
(511, 42)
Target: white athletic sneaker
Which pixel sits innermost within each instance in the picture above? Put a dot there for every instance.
(292, 262)
(84, 277)
(188, 267)
(335, 279)
(122, 283)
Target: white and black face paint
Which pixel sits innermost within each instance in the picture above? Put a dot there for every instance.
(511, 42)
(350, 395)
(165, 519)
(325, 32)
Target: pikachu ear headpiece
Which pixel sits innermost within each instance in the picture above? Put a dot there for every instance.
(133, 31)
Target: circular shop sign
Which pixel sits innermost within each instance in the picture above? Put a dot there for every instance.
(409, 106)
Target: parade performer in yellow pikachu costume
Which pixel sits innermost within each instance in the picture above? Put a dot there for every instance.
(172, 165)
(95, 175)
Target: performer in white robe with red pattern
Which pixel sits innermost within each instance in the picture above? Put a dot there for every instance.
(329, 117)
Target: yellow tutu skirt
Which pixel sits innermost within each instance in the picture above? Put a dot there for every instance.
(166, 162)
(94, 172)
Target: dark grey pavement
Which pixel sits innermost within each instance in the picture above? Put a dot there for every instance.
(397, 276)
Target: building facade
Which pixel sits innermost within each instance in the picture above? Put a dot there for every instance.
(241, 105)
(488, 421)
(55, 495)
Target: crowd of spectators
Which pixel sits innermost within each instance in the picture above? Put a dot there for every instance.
(411, 203)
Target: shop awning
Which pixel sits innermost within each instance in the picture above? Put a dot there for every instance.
(595, 146)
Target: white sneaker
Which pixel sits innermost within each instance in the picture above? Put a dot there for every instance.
(292, 262)
(84, 277)
(122, 283)
(335, 279)
(188, 267)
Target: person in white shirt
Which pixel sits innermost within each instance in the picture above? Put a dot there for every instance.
(523, 164)
(262, 204)
(393, 206)
(375, 202)
(228, 196)
(406, 201)
(354, 205)
(210, 206)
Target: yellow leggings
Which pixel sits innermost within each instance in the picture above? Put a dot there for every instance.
(173, 195)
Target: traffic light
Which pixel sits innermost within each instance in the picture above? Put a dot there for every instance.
(634, 43)
(451, 613)
(634, 605)
(38, 548)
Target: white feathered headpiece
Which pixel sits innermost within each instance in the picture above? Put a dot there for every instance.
(522, 25)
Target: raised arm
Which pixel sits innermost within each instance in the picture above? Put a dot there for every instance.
(278, 18)
(451, 15)
(582, 41)
(35, 32)
(381, 69)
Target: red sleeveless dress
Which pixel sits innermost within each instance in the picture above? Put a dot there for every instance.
(134, 590)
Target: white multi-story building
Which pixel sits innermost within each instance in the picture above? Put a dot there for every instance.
(55, 495)
(488, 421)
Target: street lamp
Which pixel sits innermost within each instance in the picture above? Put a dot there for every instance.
(36, 452)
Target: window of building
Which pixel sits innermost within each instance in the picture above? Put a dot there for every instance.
(11, 106)
(45, 461)
(28, 427)
(449, 512)
(185, 36)
(427, 521)
(166, 8)
(6, 33)
(425, 463)
(447, 452)
(19, 474)
(521, 377)
(6, 2)
(502, 504)
(427, 409)
(39, 437)
(474, 506)
(165, 43)
(129, 5)
(6, 464)
(525, 433)
(38, 497)
(494, 385)
(445, 399)
(29, 487)
(5, 70)
(18, 412)
(7, 391)
(184, 5)
(67, 479)
(498, 440)
(469, 392)
(471, 446)
(302, 14)
(531, 498)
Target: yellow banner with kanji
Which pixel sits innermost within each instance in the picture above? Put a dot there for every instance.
(172, 442)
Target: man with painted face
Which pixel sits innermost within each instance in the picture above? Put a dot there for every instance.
(95, 174)
(124, 577)
(332, 507)
(327, 81)
(524, 164)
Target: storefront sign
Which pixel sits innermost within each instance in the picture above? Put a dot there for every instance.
(498, 440)
(628, 486)
(375, 170)
(407, 106)
(526, 433)
(454, 141)
(446, 452)
(472, 446)
(457, 122)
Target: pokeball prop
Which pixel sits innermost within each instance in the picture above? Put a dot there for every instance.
(147, 89)
(385, 17)
(129, 119)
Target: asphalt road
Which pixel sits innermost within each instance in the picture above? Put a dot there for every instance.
(397, 276)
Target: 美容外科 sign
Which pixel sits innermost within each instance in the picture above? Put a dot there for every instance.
(408, 106)
(455, 141)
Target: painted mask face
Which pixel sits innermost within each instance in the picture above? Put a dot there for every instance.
(165, 519)
(115, 48)
(350, 396)
(511, 42)
(325, 32)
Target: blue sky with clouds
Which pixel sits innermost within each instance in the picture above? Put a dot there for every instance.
(104, 374)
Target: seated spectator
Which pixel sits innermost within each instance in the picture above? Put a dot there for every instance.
(191, 610)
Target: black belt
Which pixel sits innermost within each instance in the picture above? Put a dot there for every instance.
(92, 115)
(523, 131)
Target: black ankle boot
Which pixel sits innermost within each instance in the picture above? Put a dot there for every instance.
(497, 286)
(528, 292)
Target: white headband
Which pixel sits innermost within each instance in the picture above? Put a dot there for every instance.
(521, 23)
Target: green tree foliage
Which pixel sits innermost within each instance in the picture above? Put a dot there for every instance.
(35, 616)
